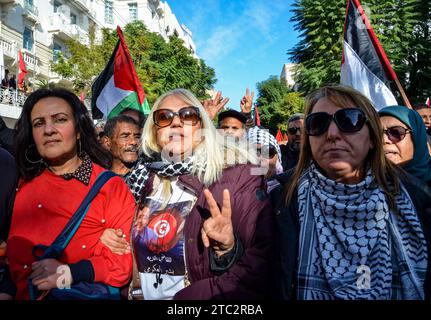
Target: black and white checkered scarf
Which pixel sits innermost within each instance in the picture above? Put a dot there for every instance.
(348, 233)
(140, 173)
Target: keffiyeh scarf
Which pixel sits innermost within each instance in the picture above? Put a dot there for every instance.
(353, 247)
(140, 174)
(260, 136)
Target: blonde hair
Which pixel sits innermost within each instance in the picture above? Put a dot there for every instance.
(214, 150)
(381, 168)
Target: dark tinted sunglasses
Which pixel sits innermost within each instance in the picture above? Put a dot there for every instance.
(267, 152)
(396, 133)
(348, 120)
(188, 115)
(293, 130)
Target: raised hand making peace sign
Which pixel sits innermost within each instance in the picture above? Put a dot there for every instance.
(217, 231)
(212, 107)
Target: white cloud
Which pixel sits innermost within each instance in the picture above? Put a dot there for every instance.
(253, 23)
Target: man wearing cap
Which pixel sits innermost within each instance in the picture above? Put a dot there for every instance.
(232, 123)
(290, 152)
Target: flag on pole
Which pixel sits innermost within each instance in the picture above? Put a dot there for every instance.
(257, 117)
(279, 136)
(428, 102)
(365, 66)
(22, 70)
(118, 86)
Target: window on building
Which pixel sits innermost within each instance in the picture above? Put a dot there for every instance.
(28, 40)
(109, 18)
(72, 18)
(57, 4)
(133, 11)
(56, 50)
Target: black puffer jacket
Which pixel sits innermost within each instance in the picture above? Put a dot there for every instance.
(287, 221)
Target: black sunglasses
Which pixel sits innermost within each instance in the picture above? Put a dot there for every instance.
(396, 133)
(188, 115)
(293, 130)
(348, 120)
(267, 152)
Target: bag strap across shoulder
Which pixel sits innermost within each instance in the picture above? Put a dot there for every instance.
(57, 247)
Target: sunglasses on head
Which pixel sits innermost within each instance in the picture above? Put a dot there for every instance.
(188, 115)
(396, 133)
(267, 152)
(293, 130)
(348, 120)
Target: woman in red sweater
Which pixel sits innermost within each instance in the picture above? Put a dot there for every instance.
(59, 159)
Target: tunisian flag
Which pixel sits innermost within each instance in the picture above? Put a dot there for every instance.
(256, 111)
(22, 70)
(118, 86)
(365, 66)
(279, 136)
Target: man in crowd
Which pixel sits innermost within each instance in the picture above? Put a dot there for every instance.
(232, 123)
(8, 183)
(121, 137)
(425, 112)
(290, 152)
(6, 136)
(12, 82)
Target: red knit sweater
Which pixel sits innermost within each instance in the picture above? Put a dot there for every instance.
(43, 207)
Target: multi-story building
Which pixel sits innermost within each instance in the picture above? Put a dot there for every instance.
(287, 74)
(40, 29)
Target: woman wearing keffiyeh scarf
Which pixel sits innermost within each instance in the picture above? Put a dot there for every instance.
(358, 230)
(201, 216)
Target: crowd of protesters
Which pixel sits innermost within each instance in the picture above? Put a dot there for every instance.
(172, 206)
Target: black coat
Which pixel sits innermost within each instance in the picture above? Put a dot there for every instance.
(288, 228)
(6, 136)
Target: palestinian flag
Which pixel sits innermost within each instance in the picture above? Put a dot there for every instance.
(365, 66)
(118, 86)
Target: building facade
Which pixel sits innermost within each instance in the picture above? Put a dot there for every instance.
(287, 74)
(40, 29)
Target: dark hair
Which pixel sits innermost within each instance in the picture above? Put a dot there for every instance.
(142, 117)
(111, 124)
(83, 125)
(420, 106)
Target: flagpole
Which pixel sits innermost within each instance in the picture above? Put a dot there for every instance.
(403, 94)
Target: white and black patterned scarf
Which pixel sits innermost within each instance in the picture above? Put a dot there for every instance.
(349, 237)
(140, 173)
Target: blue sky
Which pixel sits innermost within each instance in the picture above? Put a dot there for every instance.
(245, 41)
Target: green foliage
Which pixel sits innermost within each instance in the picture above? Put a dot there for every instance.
(402, 27)
(160, 65)
(277, 103)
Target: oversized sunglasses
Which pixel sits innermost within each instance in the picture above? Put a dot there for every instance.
(293, 130)
(396, 133)
(348, 120)
(267, 152)
(188, 115)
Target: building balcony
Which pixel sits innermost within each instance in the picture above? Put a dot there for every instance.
(31, 61)
(60, 26)
(84, 5)
(30, 12)
(9, 49)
